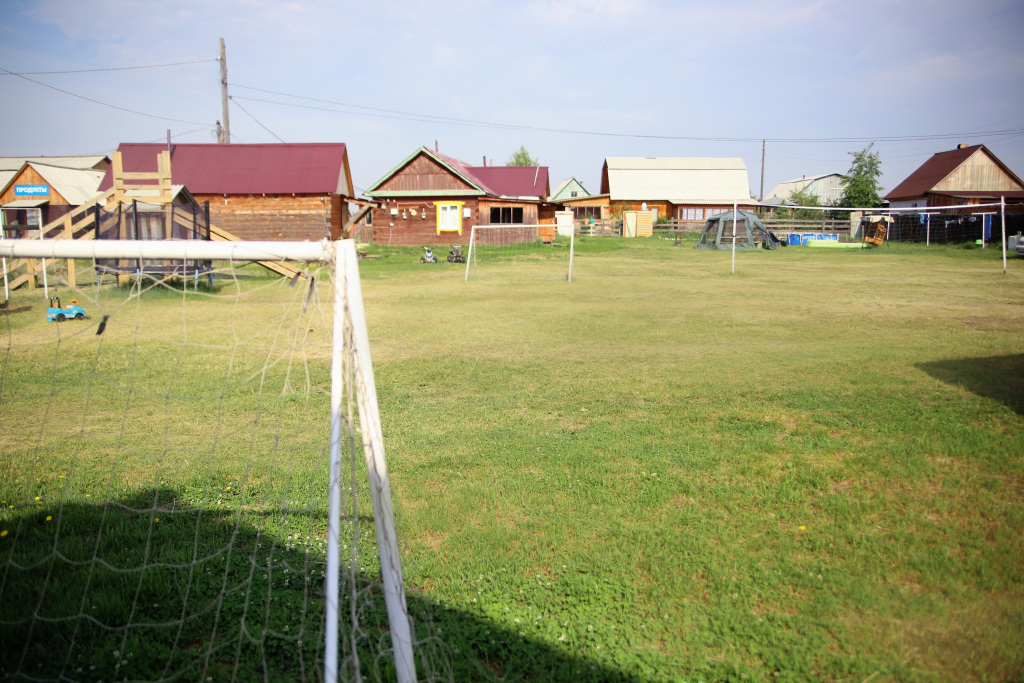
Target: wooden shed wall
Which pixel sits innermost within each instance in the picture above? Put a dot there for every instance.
(420, 230)
(978, 172)
(29, 176)
(282, 217)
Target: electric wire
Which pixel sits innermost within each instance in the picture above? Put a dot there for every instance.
(112, 68)
(89, 99)
(412, 116)
(254, 118)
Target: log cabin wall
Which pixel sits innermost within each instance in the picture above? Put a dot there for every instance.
(530, 213)
(420, 230)
(278, 217)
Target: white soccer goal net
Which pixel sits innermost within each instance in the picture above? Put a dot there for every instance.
(519, 252)
(186, 474)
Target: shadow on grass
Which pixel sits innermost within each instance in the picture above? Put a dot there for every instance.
(997, 377)
(140, 590)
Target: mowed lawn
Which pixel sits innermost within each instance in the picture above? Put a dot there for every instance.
(810, 470)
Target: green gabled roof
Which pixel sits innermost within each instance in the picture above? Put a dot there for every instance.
(439, 158)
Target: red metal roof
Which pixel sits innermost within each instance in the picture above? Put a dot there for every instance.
(932, 172)
(504, 181)
(514, 181)
(315, 168)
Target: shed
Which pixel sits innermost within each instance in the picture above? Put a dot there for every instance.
(43, 189)
(294, 191)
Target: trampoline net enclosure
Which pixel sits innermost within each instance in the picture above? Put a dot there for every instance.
(148, 221)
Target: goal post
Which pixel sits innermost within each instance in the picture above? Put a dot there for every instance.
(520, 252)
(353, 411)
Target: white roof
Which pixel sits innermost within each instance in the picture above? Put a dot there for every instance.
(787, 187)
(680, 180)
(15, 163)
(77, 186)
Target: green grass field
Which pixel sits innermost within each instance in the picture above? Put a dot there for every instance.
(810, 470)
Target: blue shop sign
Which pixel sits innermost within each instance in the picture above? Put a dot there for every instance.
(31, 190)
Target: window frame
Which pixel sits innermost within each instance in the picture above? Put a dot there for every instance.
(446, 208)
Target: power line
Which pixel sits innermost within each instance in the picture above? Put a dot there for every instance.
(230, 97)
(179, 135)
(89, 99)
(412, 116)
(113, 68)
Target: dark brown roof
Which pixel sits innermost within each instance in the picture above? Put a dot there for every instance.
(311, 168)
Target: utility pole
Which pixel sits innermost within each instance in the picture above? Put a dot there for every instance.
(760, 197)
(225, 136)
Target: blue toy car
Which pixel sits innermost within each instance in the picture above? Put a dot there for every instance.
(58, 314)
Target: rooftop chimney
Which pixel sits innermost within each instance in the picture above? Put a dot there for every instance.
(485, 161)
(962, 145)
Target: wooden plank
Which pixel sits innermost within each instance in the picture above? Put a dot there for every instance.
(71, 262)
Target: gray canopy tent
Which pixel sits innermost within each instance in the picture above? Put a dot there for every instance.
(718, 232)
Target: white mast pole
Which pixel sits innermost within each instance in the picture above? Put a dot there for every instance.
(7, 289)
(734, 203)
(469, 254)
(1002, 224)
(46, 286)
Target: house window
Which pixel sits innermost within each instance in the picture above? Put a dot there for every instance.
(506, 214)
(573, 193)
(688, 214)
(585, 213)
(449, 217)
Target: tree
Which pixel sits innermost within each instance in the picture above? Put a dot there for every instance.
(522, 158)
(805, 197)
(860, 185)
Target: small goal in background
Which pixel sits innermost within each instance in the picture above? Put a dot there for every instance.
(519, 252)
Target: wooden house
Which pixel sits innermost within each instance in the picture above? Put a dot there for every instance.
(569, 189)
(965, 175)
(682, 188)
(258, 192)
(827, 187)
(430, 198)
(47, 191)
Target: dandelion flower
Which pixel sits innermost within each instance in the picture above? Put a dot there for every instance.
(803, 528)
(3, 533)
(37, 497)
(48, 518)
(158, 519)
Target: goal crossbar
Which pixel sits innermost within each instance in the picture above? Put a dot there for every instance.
(350, 329)
(188, 250)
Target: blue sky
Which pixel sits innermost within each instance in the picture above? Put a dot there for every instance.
(729, 69)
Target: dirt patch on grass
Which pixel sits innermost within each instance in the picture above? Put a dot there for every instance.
(993, 323)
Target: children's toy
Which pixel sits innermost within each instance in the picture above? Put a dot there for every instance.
(55, 313)
(455, 255)
(428, 257)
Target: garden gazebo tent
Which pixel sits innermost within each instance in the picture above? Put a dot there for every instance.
(718, 232)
